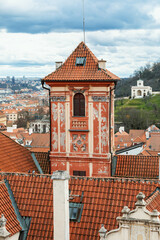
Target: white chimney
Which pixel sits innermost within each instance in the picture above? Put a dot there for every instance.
(30, 131)
(102, 64)
(61, 205)
(58, 64)
(121, 129)
(147, 135)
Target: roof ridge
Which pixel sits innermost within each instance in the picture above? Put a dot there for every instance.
(123, 179)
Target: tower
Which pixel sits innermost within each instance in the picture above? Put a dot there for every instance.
(82, 114)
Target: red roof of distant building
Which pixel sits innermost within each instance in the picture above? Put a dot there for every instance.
(89, 72)
(137, 166)
(148, 152)
(134, 133)
(153, 143)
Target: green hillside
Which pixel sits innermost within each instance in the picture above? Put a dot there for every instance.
(138, 113)
(150, 74)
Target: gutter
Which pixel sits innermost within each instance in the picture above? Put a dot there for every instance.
(48, 89)
(110, 106)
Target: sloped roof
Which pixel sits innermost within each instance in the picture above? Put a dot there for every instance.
(6, 208)
(121, 139)
(43, 159)
(103, 200)
(148, 152)
(154, 141)
(14, 157)
(90, 72)
(137, 166)
(153, 202)
(136, 133)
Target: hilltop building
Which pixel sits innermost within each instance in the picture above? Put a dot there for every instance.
(140, 90)
(82, 114)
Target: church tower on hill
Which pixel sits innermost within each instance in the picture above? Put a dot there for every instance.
(82, 114)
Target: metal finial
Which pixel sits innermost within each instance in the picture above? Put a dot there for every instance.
(83, 22)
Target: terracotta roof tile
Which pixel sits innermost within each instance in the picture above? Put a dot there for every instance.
(136, 133)
(43, 159)
(14, 157)
(148, 152)
(153, 202)
(137, 166)
(102, 201)
(6, 208)
(90, 72)
(153, 143)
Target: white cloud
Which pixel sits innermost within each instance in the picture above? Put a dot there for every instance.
(155, 13)
(35, 54)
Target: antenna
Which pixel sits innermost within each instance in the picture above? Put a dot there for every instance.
(83, 22)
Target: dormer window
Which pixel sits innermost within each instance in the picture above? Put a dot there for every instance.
(79, 105)
(80, 61)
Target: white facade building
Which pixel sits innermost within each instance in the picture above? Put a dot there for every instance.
(140, 90)
(40, 126)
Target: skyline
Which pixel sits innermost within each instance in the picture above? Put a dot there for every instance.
(35, 34)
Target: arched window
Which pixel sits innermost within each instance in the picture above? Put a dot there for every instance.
(79, 105)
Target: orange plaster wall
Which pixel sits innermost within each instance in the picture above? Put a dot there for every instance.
(95, 127)
(101, 169)
(54, 126)
(62, 128)
(79, 166)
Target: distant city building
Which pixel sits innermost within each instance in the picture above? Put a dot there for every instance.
(140, 90)
(40, 126)
(11, 114)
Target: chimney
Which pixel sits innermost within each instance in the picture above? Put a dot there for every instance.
(58, 64)
(61, 205)
(102, 64)
(30, 131)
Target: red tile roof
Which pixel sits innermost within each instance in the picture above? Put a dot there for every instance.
(136, 133)
(90, 72)
(122, 140)
(137, 166)
(14, 157)
(103, 200)
(6, 208)
(148, 152)
(154, 141)
(43, 159)
(153, 202)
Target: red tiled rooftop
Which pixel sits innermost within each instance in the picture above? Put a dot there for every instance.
(14, 157)
(6, 208)
(148, 152)
(153, 202)
(137, 166)
(154, 141)
(43, 159)
(103, 200)
(136, 133)
(90, 72)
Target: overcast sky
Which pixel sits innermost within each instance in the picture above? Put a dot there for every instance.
(36, 33)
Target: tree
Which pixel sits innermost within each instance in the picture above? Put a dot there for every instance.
(133, 118)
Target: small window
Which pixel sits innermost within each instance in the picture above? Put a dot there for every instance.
(76, 208)
(73, 212)
(79, 105)
(79, 173)
(80, 61)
